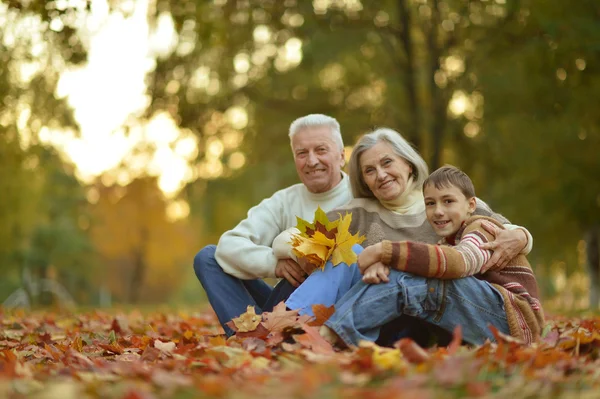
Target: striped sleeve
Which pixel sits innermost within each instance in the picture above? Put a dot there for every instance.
(474, 257)
(465, 259)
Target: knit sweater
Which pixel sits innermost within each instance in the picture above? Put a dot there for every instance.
(516, 281)
(377, 223)
(246, 251)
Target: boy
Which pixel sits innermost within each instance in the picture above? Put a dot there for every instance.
(445, 285)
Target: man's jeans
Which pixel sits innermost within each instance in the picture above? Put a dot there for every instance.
(363, 309)
(230, 296)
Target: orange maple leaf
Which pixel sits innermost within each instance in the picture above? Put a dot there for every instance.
(322, 314)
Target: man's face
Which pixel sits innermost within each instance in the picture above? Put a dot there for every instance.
(319, 160)
(447, 208)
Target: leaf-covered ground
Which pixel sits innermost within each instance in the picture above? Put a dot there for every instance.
(182, 355)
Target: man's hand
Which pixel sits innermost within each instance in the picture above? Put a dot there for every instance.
(369, 256)
(291, 271)
(376, 273)
(306, 266)
(507, 245)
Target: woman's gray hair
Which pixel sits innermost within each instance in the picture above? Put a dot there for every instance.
(318, 120)
(401, 147)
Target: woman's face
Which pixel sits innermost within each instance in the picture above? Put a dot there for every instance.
(385, 173)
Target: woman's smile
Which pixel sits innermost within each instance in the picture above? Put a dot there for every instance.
(385, 173)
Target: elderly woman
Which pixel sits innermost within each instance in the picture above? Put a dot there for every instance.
(386, 176)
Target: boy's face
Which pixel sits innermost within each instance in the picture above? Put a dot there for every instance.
(447, 208)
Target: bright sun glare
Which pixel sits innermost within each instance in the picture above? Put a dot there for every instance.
(109, 91)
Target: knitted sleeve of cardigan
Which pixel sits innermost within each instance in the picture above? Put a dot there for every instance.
(440, 261)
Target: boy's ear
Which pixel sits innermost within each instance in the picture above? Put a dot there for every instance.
(472, 205)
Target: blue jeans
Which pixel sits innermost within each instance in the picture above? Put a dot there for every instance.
(230, 296)
(326, 286)
(342, 286)
(469, 302)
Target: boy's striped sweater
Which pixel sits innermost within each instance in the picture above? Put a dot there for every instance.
(516, 281)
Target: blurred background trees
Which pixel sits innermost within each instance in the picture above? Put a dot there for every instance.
(505, 89)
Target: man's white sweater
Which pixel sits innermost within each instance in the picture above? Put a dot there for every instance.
(246, 251)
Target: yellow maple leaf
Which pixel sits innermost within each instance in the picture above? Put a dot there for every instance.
(321, 223)
(321, 218)
(247, 321)
(344, 241)
(322, 240)
(315, 249)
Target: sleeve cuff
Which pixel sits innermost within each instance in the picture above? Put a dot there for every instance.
(529, 246)
(386, 252)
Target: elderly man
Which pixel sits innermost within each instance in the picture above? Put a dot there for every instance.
(231, 273)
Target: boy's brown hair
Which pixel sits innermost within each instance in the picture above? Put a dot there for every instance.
(449, 175)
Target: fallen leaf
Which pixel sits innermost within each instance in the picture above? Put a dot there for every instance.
(412, 351)
(456, 340)
(247, 321)
(311, 339)
(279, 318)
(164, 347)
(322, 314)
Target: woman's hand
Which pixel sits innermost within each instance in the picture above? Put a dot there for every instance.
(507, 245)
(369, 256)
(376, 273)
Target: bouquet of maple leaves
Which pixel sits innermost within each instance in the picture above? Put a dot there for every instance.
(322, 240)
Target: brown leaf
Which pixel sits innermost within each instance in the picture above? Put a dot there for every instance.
(254, 345)
(279, 318)
(259, 332)
(311, 339)
(150, 354)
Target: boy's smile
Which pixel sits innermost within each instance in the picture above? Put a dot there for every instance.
(447, 208)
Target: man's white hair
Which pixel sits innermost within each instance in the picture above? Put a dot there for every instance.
(318, 120)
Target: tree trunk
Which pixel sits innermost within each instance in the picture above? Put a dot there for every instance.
(405, 37)
(139, 268)
(593, 263)
(438, 103)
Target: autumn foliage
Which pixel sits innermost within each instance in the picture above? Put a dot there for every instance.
(323, 239)
(184, 355)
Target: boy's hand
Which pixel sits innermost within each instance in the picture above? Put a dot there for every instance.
(376, 273)
(507, 245)
(369, 256)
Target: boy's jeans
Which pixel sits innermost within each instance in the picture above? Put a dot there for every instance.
(362, 309)
(230, 296)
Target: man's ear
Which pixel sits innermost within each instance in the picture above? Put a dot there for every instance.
(472, 205)
(343, 160)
